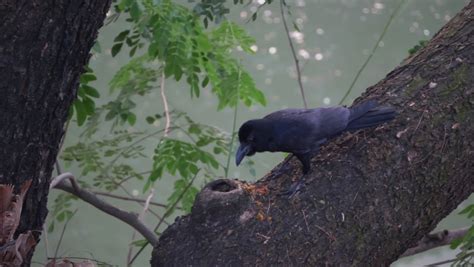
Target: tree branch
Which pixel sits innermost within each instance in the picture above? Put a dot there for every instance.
(134, 199)
(435, 240)
(60, 182)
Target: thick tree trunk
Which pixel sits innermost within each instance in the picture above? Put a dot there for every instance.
(44, 46)
(370, 195)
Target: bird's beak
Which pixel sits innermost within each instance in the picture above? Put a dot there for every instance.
(241, 153)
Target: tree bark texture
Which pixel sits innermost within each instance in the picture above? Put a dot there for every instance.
(371, 195)
(44, 46)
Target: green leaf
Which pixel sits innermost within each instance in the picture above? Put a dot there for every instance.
(91, 91)
(109, 153)
(296, 27)
(61, 216)
(456, 242)
(205, 81)
(89, 105)
(116, 49)
(81, 113)
(135, 11)
(230, 35)
(51, 227)
(155, 174)
(87, 77)
(131, 118)
(132, 51)
(140, 242)
(121, 36)
(150, 119)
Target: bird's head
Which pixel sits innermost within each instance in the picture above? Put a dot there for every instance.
(248, 140)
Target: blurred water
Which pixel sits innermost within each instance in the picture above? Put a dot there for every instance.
(335, 40)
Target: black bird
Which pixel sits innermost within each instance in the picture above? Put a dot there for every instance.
(302, 131)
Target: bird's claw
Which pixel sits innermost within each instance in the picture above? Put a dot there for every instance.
(283, 168)
(294, 189)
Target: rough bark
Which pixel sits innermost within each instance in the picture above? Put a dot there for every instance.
(44, 46)
(370, 196)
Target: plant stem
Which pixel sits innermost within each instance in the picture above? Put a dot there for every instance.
(293, 52)
(234, 124)
(372, 52)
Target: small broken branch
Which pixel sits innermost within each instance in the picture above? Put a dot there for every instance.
(141, 216)
(435, 240)
(67, 182)
(167, 213)
(165, 103)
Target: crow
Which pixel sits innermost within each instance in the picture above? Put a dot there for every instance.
(302, 131)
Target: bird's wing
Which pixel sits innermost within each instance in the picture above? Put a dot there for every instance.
(302, 130)
(287, 113)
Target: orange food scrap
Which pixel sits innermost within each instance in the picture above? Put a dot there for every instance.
(256, 190)
(260, 216)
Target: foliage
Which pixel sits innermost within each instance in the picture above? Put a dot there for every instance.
(163, 37)
(466, 243)
(84, 105)
(177, 39)
(421, 44)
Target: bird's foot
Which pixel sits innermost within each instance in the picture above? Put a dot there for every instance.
(284, 167)
(294, 189)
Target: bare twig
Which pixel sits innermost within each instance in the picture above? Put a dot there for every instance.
(234, 125)
(167, 213)
(165, 103)
(46, 243)
(141, 216)
(293, 52)
(80, 258)
(58, 167)
(436, 240)
(134, 199)
(465, 260)
(372, 52)
(62, 234)
(306, 221)
(440, 263)
(331, 237)
(129, 218)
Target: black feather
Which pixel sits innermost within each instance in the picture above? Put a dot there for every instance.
(372, 117)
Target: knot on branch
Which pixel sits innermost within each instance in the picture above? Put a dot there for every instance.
(219, 199)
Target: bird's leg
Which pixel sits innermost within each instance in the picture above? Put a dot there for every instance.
(305, 160)
(297, 185)
(283, 167)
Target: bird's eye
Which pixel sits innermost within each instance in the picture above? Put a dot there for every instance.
(250, 137)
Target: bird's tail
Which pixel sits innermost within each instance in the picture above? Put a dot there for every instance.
(369, 114)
